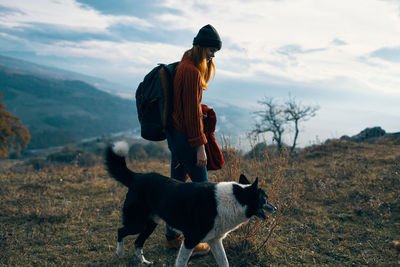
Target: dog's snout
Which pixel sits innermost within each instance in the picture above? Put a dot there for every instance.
(269, 207)
(273, 209)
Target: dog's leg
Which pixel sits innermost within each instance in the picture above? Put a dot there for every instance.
(217, 249)
(120, 249)
(141, 239)
(122, 233)
(183, 256)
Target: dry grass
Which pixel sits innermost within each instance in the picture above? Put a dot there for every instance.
(339, 204)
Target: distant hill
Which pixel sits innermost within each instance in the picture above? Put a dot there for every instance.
(14, 65)
(60, 111)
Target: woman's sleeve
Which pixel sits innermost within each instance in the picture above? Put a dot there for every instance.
(193, 116)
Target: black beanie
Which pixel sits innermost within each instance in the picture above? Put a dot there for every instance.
(208, 37)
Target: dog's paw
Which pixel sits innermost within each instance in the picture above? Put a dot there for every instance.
(141, 258)
(146, 262)
(119, 254)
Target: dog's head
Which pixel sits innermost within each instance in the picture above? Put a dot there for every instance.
(255, 198)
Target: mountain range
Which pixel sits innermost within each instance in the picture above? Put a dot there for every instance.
(60, 107)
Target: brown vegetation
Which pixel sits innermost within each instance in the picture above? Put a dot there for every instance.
(12, 132)
(338, 205)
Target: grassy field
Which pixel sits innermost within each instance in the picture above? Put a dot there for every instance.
(339, 205)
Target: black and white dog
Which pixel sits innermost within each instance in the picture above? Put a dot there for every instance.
(202, 212)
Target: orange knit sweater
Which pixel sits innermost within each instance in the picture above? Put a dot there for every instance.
(187, 115)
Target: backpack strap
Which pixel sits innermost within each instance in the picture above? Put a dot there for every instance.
(167, 86)
(171, 68)
(167, 74)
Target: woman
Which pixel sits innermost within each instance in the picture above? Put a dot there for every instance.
(185, 137)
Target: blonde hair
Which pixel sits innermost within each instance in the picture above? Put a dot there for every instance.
(207, 69)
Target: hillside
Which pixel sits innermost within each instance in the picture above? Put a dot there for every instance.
(14, 65)
(338, 205)
(62, 111)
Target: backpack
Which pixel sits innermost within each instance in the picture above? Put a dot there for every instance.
(154, 101)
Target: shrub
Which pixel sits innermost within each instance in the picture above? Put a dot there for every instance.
(156, 150)
(74, 156)
(262, 151)
(137, 152)
(38, 163)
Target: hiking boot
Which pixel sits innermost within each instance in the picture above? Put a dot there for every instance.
(200, 249)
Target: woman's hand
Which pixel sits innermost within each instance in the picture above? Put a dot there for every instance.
(201, 157)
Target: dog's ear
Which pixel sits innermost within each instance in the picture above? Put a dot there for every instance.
(255, 184)
(243, 179)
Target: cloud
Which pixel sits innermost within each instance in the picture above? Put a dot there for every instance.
(300, 41)
(391, 54)
(263, 41)
(292, 50)
(63, 13)
(138, 8)
(128, 52)
(5, 11)
(395, 2)
(49, 33)
(338, 42)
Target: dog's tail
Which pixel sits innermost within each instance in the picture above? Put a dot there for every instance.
(116, 164)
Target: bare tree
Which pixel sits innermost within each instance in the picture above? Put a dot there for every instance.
(273, 120)
(296, 112)
(276, 117)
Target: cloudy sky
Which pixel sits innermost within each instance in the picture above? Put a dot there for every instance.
(341, 55)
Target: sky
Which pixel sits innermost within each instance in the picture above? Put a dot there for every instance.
(343, 56)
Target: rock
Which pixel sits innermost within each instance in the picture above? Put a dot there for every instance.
(371, 135)
(345, 138)
(368, 133)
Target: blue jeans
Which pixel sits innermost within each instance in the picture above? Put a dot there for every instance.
(183, 162)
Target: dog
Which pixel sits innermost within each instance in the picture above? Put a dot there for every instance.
(202, 212)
